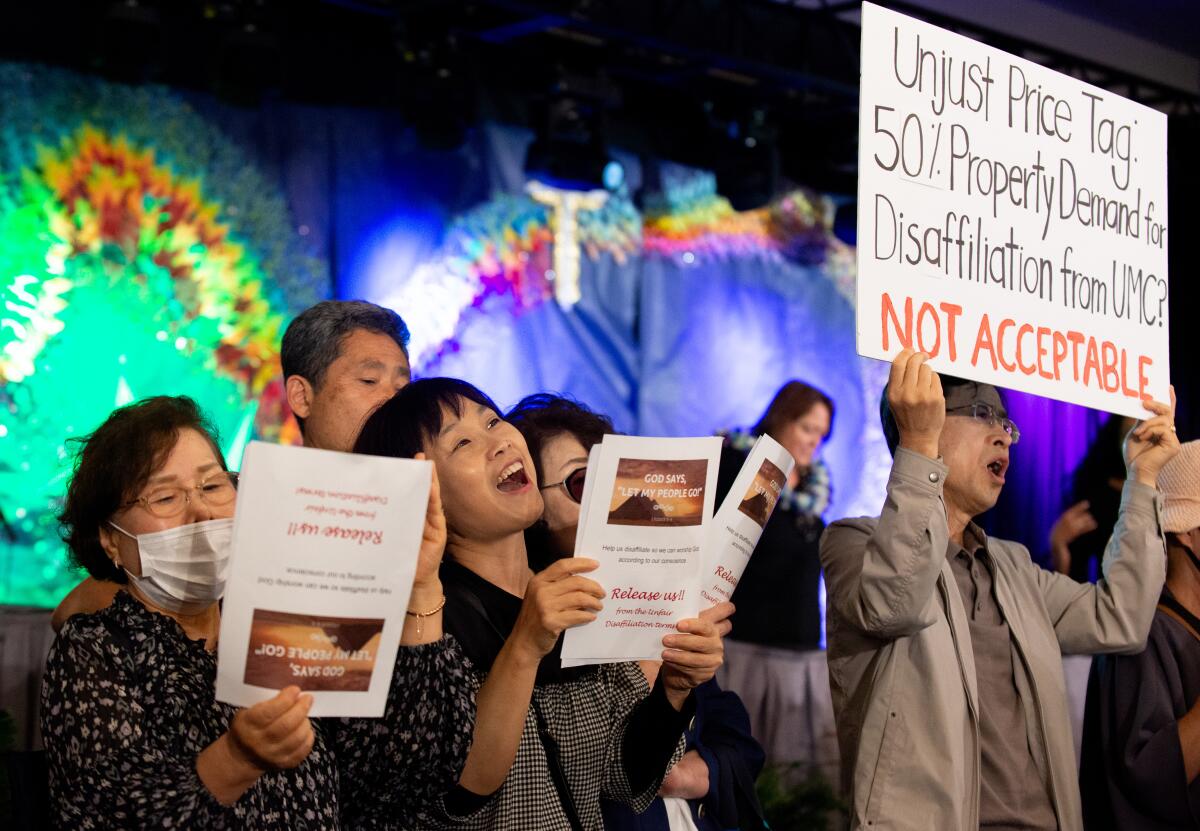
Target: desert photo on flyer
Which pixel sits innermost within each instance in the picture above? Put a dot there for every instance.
(764, 491)
(314, 653)
(658, 492)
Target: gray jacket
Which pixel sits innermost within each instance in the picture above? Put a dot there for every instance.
(901, 665)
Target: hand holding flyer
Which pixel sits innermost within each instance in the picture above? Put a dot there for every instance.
(740, 521)
(325, 546)
(645, 517)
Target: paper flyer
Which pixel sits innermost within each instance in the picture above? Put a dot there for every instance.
(646, 515)
(585, 503)
(740, 520)
(325, 549)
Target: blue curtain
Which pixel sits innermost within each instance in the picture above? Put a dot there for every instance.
(719, 338)
(662, 346)
(589, 352)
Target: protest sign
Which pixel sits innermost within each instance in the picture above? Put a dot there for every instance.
(646, 514)
(325, 550)
(1012, 221)
(740, 520)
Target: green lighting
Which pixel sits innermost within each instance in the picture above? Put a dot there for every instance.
(123, 275)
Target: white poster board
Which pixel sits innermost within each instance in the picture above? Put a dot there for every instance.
(646, 516)
(1012, 221)
(325, 549)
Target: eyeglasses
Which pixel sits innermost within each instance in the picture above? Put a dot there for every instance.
(167, 501)
(573, 484)
(988, 413)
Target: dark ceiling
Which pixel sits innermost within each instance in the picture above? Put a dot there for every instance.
(1173, 23)
(755, 89)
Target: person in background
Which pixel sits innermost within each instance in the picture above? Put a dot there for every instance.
(778, 595)
(712, 786)
(945, 646)
(341, 359)
(1079, 534)
(1140, 768)
(549, 741)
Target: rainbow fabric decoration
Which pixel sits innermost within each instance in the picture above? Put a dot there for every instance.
(503, 248)
(140, 254)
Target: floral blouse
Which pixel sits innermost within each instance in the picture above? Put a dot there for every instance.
(127, 705)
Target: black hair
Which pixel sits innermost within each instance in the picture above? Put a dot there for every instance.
(891, 431)
(542, 416)
(406, 422)
(313, 340)
(539, 418)
(792, 402)
(114, 462)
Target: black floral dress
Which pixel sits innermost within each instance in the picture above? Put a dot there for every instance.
(127, 705)
(394, 769)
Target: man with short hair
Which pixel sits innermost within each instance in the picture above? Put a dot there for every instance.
(341, 359)
(945, 646)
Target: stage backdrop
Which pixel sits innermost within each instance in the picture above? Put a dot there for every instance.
(141, 253)
(157, 242)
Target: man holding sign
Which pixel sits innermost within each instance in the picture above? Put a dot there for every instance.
(944, 645)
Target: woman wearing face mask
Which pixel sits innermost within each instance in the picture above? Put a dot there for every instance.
(777, 596)
(548, 741)
(133, 734)
(712, 787)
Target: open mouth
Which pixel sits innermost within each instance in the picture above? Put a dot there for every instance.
(997, 469)
(512, 479)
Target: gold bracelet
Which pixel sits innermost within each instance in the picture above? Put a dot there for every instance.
(420, 616)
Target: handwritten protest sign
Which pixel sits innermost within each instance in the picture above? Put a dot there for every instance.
(646, 514)
(324, 553)
(1012, 221)
(743, 515)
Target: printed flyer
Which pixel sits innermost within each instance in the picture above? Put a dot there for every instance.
(742, 516)
(325, 550)
(646, 516)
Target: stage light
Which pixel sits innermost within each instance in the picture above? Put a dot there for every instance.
(570, 150)
(435, 90)
(569, 166)
(614, 175)
(744, 148)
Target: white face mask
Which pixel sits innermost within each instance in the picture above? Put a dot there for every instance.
(183, 568)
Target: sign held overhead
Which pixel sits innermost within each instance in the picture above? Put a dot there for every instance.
(1012, 220)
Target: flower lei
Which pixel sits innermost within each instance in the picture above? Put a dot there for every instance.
(811, 498)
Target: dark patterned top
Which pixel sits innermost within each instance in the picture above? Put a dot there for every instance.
(127, 705)
(395, 767)
(1132, 772)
